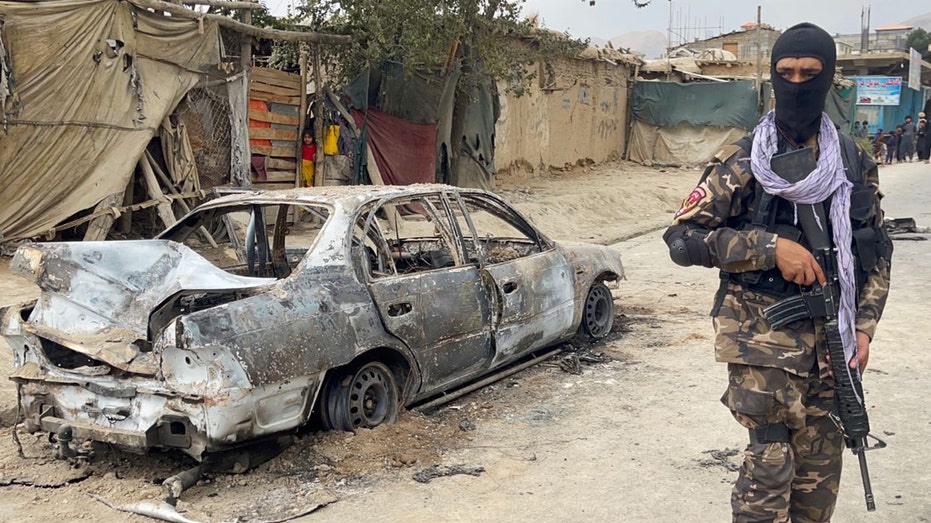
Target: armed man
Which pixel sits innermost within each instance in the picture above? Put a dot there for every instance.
(791, 216)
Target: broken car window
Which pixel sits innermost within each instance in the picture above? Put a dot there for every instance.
(498, 235)
(370, 253)
(418, 235)
(266, 240)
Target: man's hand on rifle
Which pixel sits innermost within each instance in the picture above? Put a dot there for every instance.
(797, 263)
(863, 353)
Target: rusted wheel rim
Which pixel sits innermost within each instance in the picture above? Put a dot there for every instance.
(373, 396)
(599, 311)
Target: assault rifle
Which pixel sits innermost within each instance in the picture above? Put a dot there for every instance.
(823, 302)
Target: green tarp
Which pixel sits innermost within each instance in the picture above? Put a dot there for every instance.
(721, 104)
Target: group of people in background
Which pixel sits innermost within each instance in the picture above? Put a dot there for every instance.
(902, 145)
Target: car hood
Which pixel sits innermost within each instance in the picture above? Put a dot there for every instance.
(96, 297)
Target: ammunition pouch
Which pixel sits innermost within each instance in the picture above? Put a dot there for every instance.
(862, 197)
(871, 246)
(771, 433)
(805, 305)
(864, 241)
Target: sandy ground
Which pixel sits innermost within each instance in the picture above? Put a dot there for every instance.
(637, 437)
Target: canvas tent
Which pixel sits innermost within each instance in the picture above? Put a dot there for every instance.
(86, 84)
(686, 123)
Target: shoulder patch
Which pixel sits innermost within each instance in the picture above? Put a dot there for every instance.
(727, 152)
(691, 203)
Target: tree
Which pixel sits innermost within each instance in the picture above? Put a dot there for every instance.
(428, 34)
(919, 40)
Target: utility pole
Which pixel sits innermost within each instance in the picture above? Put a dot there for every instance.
(669, 45)
(865, 29)
(759, 57)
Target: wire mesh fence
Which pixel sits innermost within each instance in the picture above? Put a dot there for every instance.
(206, 113)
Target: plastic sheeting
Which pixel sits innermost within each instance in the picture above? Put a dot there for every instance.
(683, 145)
(464, 122)
(415, 98)
(404, 152)
(472, 137)
(90, 83)
(722, 104)
(685, 124)
(840, 106)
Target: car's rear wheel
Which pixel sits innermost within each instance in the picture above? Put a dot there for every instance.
(363, 397)
(597, 312)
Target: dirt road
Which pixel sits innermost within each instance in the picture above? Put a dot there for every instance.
(640, 437)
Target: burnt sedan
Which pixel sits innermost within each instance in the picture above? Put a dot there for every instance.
(260, 309)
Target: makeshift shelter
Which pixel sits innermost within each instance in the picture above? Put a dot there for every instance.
(88, 84)
(422, 127)
(686, 123)
(85, 85)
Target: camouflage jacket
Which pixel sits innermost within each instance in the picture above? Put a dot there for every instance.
(742, 334)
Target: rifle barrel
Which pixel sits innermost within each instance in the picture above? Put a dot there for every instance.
(860, 450)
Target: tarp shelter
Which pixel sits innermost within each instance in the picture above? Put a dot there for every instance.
(405, 152)
(686, 123)
(463, 125)
(91, 81)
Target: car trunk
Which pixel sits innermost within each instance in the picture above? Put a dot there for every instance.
(97, 298)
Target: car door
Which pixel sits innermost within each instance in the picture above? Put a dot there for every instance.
(425, 294)
(533, 281)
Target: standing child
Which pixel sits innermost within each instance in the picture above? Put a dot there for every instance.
(308, 157)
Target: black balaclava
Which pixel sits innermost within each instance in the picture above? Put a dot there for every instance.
(799, 105)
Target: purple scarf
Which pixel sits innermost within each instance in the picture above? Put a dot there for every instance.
(827, 180)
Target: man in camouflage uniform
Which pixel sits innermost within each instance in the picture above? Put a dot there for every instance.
(780, 385)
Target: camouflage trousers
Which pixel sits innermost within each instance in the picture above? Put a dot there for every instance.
(782, 482)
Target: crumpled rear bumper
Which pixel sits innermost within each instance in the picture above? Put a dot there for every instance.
(129, 439)
(135, 419)
(143, 415)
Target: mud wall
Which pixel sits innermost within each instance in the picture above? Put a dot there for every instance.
(575, 112)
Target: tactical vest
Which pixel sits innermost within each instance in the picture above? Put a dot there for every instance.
(777, 215)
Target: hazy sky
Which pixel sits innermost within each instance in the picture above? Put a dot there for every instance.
(610, 18)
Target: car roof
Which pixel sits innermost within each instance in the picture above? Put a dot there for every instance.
(348, 196)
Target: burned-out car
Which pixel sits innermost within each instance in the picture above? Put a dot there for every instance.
(260, 309)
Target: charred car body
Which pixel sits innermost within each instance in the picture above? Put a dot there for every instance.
(258, 309)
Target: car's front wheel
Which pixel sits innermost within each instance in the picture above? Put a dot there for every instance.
(363, 397)
(597, 312)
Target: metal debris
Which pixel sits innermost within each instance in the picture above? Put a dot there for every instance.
(160, 510)
(905, 229)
